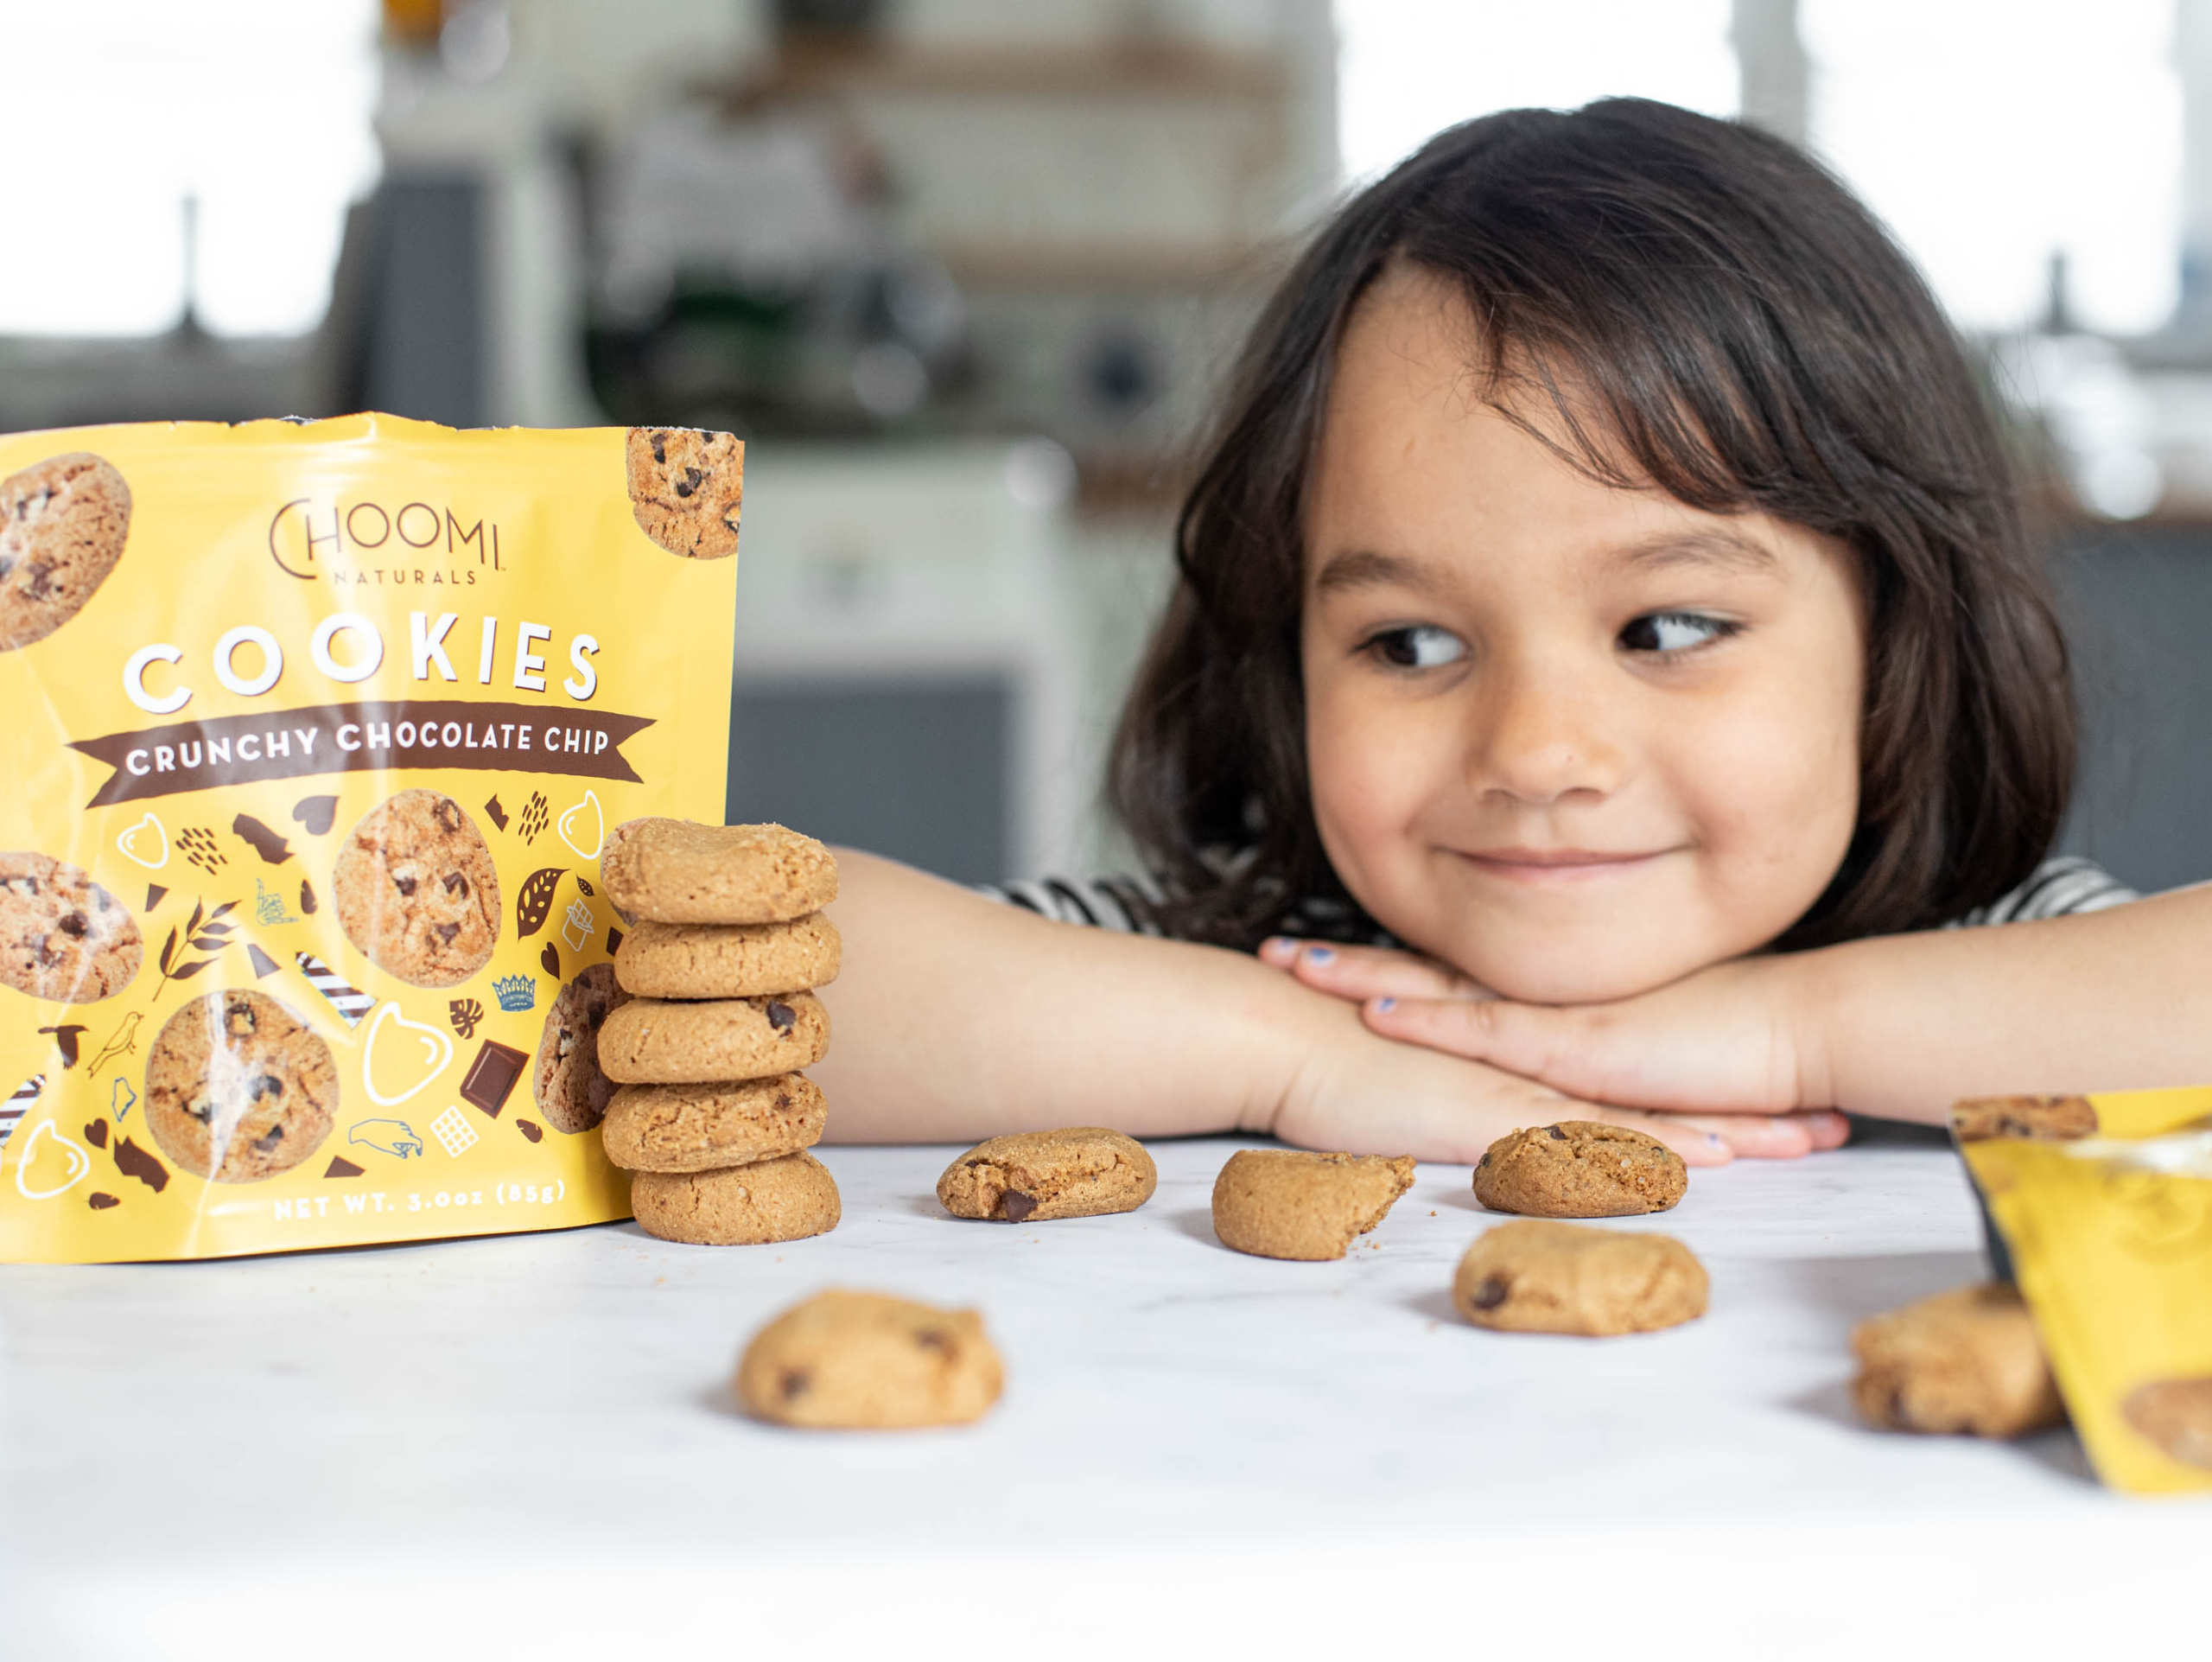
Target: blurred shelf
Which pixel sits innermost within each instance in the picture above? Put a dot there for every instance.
(1123, 265)
(1114, 69)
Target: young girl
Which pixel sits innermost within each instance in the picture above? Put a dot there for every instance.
(1606, 614)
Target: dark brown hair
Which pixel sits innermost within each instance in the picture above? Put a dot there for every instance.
(1737, 330)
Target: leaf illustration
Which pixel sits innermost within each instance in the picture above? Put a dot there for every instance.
(193, 928)
(191, 970)
(218, 930)
(583, 887)
(168, 952)
(207, 944)
(536, 900)
(227, 905)
(550, 957)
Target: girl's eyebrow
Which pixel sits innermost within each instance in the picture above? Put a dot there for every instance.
(1717, 546)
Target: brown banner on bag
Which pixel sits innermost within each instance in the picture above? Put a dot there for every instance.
(369, 736)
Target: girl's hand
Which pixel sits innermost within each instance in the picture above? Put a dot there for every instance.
(1728, 1052)
(1365, 1092)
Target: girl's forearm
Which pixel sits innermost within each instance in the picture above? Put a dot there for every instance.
(2109, 1001)
(955, 1018)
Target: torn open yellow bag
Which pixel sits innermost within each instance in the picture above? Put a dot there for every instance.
(2105, 1206)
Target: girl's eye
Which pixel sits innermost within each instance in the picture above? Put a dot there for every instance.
(1668, 634)
(1416, 646)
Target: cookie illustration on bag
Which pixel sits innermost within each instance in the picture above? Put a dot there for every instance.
(62, 937)
(416, 890)
(62, 526)
(238, 1087)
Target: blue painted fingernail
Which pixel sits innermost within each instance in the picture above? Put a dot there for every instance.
(1714, 1138)
(1319, 955)
(1382, 1004)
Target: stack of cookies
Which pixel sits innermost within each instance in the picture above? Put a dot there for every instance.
(713, 1115)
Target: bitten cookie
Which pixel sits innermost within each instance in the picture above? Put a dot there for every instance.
(782, 1199)
(417, 891)
(674, 871)
(1579, 1169)
(571, 1090)
(238, 1088)
(659, 1041)
(2048, 1119)
(1038, 1176)
(707, 1127)
(2177, 1415)
(1532, 1276)
(685, 488)
(63, 937)
(705, 960)
(865, 1361)
(1276, 1203)
(1964, 1360)
(62, 526)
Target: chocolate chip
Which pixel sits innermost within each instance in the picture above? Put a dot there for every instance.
(689, 482)
(405, 885)
(100, 1202)
(267, 1086)
(1558, 1136)
(794, 1383)
(447, 812)
(239, 1018)
(268, 1142)
(660, 447)
(39, 586)
(781, 1017)
(455, 884)
(528, 1130)
(1016, 1206)
(935, 1339)
(446, 931)
(203, 1110)
(1491, 1293)
(73, 925)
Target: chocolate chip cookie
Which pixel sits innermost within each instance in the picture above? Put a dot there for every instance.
(1967, 1360)
(676, 871)
(571, 1090)
(686, 485)
(706, 961)
(238, 1088)
(707, 1127)
(867, 1361)
(2045, 1119)
(62, 526)
(661, 1041)
(1035, 1176)
(1579, 1169)
(782, 1200)
(416, 890)
(62, 937)
(1278, 1203)
(1531, 1277)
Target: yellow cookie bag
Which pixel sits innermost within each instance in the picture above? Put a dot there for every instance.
(313, 734)
(2102, 1208)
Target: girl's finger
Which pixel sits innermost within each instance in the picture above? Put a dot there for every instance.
(1755, 1136)
(1364, 972)
(1697, 1148)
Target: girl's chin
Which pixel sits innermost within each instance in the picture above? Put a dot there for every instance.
(1549, 980)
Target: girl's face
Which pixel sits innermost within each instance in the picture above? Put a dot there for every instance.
(1576, 741)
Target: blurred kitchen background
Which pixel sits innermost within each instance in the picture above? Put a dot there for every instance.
(963, 273)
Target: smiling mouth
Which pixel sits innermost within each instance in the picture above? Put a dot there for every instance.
(1556, 865)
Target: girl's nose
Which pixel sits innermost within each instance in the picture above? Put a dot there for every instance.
(1539, 737)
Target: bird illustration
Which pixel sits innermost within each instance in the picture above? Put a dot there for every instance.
(65, 1041)
(123, 1041)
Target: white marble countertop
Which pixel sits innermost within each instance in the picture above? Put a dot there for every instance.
(467, 1447)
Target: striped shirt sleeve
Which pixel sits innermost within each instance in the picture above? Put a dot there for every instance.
(2058, 886)
(2064, 884)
